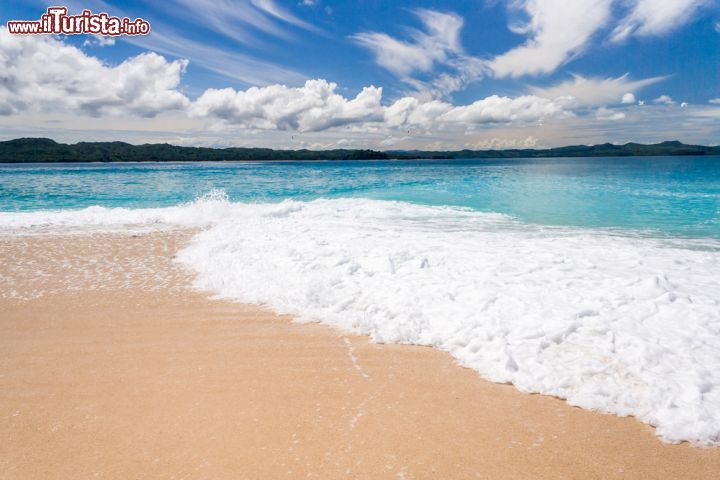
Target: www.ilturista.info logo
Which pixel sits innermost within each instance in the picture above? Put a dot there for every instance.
(57, 21)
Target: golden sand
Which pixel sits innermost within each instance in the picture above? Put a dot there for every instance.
(111, 367)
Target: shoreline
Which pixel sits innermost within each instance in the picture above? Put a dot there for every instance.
(388, 159)
(110, 366)
(18, 150)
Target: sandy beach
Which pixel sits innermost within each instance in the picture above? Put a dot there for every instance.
(111, 366)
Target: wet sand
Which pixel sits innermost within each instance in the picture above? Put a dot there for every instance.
(111, 367)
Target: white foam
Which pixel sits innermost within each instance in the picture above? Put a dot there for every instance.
(208, 209)
(619, 324)
(623, 325)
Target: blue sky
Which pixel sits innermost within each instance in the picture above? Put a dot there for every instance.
(386, 75)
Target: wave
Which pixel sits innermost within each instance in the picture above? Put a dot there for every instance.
(620, 324)
(204, 211)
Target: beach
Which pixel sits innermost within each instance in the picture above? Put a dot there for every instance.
(257, 239)
(112, 366)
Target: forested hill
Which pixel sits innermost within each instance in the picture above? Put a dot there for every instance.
(46, 150)
(670, 148)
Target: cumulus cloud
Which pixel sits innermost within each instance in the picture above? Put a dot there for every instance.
(45, 74)
(413, 112)
(557, 30)
(583, 91)
(39, 73)
(715, 101)
(312, 107)
(317, 106)
(496, 109)
(410, 111)
(628, 98)
(664, 100)
(653, 17)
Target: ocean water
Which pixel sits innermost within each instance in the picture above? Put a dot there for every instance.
(595, 280)
(665, 195)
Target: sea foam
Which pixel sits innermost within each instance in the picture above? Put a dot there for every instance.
(204, 211)
(618, 323)
(624, 325)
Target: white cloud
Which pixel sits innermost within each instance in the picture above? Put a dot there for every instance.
(715, 101)
(603, 113)
(438, 44)
(240, 20)
(316, 107)
(440, 39)
(495, 109)
(44, 74)
(557, 31)
(411, 111)
(650, 124)
(41, 73)
(271, 8)
(664, 99)
(312, 107)
(655, 17)
(582, 91)
(628, 98)
(503, 143)
(99, 41)
(467, 69)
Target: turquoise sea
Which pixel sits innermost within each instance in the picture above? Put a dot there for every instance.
(665, 195)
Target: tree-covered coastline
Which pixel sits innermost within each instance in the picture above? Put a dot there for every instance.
(36, 150)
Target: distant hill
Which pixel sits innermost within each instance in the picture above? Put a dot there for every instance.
(47, 150)
(35, 150)
(670, 148)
